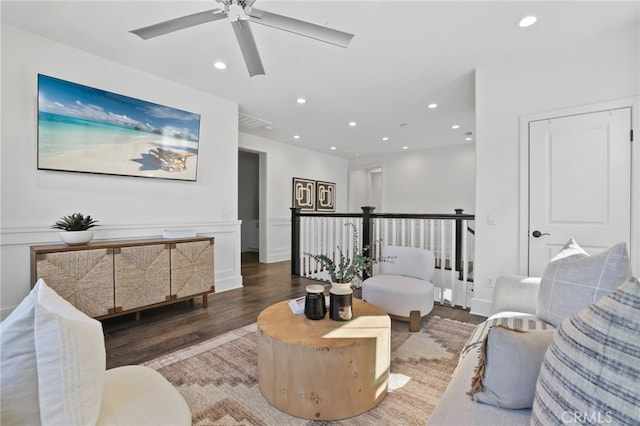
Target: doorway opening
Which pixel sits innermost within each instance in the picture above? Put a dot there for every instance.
(365, 188)
(249, 205)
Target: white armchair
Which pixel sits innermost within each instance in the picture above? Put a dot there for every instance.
(403, 285)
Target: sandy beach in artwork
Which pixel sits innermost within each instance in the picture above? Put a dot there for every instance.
(138, 156)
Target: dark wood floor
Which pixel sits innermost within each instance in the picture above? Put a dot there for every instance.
(166, 329)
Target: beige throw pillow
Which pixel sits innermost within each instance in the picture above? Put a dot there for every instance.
(508, 367)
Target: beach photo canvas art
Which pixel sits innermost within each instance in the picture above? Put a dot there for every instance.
(84, 129)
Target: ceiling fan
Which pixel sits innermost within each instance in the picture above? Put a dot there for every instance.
(240, 12)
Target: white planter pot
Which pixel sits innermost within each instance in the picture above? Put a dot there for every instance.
(340, 302)
(76, 237)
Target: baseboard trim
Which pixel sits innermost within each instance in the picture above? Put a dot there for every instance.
(230, 283)
(481, 307)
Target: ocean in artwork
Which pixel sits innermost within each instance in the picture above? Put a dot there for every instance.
(88, 130)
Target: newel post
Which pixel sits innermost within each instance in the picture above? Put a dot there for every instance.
(295, 241)
(459, 241)
(367, 232)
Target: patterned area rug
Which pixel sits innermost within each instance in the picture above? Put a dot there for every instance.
(218, 377)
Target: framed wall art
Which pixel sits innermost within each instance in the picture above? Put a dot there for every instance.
(325, 196)
(304, 194)
(84, 129)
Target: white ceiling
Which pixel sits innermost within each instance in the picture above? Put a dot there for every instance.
(405, 55)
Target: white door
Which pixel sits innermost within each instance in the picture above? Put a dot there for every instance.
(579, 183)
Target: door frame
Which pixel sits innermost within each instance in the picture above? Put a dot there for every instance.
(523, 229)
(263, 255)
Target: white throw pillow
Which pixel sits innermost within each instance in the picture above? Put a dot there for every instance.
(573, 280)
(19, 372)
(61, 352)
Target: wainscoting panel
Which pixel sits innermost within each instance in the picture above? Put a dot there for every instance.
(15, 244)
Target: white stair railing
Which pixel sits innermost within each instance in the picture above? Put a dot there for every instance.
(324, 234)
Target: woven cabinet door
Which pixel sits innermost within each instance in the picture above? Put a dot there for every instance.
(141, 276)
(84, 278)
(192, 268)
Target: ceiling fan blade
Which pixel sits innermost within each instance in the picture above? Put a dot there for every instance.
(303, 28)
(181, 23)
(248, 46)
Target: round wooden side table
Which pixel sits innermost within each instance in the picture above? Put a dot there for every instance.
(324, 369)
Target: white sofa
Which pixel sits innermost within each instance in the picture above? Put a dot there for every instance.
(586, 371)
(514, 299)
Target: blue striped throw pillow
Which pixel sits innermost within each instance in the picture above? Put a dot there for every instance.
(591, 371)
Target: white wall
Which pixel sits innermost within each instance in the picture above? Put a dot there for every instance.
(601, 69)
(127, 207)
(280, 163)
(436, 180)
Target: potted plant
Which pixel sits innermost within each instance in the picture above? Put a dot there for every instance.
(75, 228)
(343, 271)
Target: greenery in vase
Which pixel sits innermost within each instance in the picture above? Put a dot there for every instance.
(75, 222)
(345, 269)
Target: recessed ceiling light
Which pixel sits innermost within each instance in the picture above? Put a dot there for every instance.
(353, 124)
(527, 21)
(296, 136)
(405, 147)
(468, 139)
(301, 101)
(219, 65)
(432, 106)
(455, 126)
(385, 138)
(333, 148)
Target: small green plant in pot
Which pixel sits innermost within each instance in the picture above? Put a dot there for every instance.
(76, 228)
(345, 269)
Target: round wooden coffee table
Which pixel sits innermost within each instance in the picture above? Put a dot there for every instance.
(324, 369)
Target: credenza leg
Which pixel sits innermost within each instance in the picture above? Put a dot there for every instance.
(205, 301)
